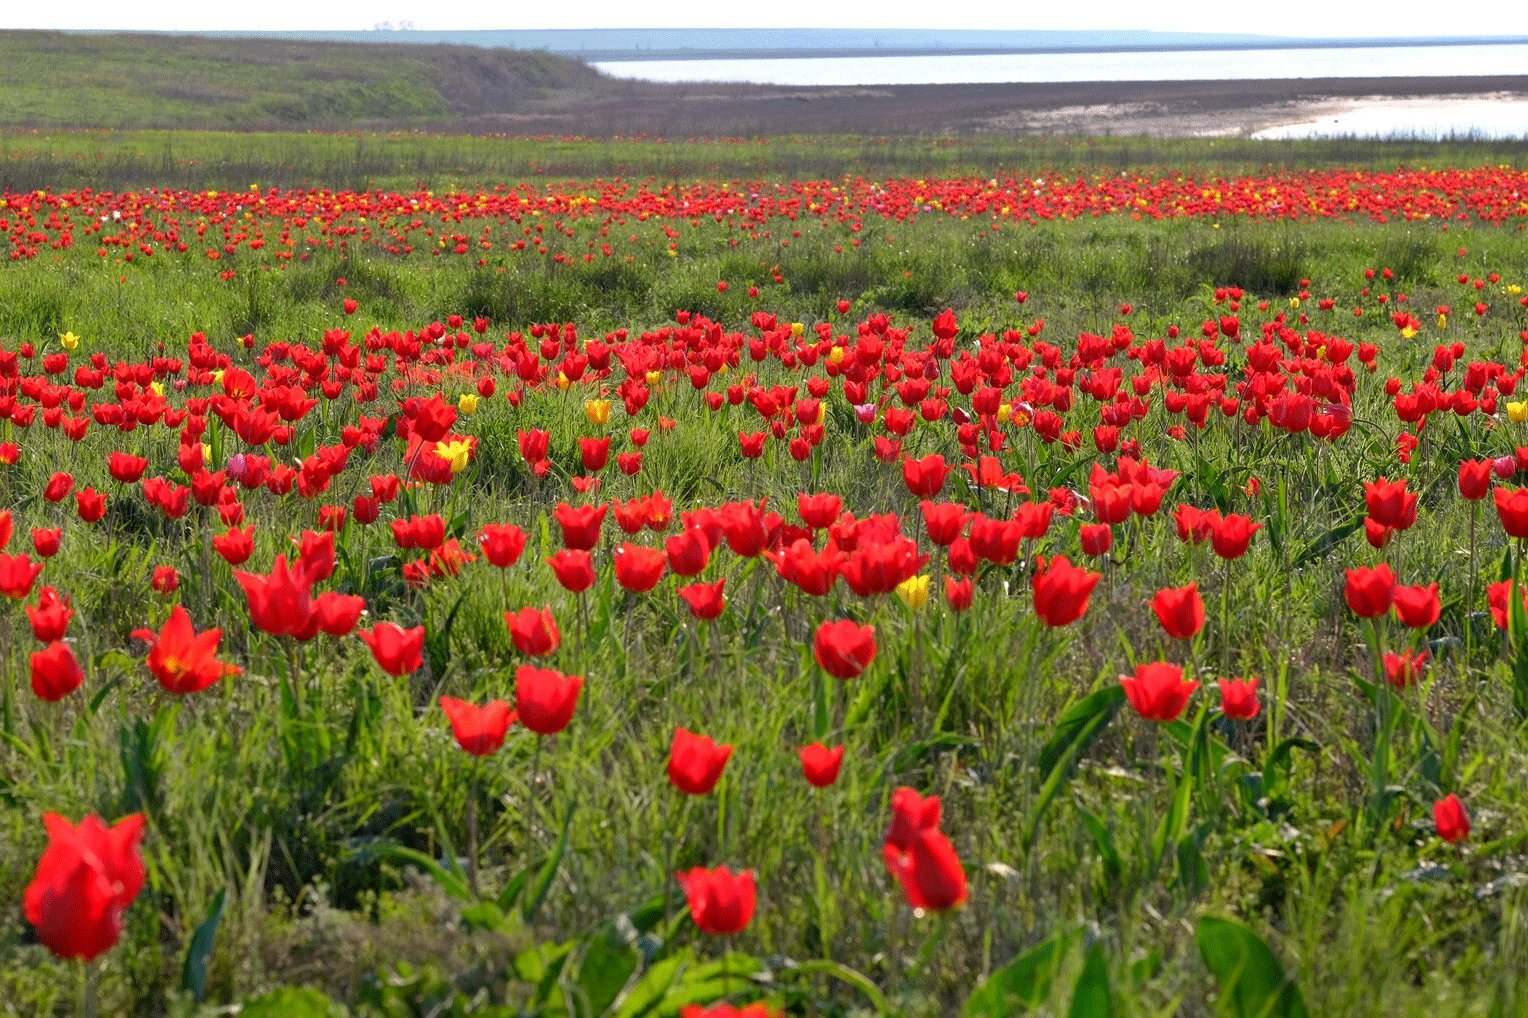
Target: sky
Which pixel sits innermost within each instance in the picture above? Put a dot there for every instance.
(1313, 18)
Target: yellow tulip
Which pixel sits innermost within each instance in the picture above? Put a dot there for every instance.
(467, 403)
(914, 592)
(456, 452)
(597, 411)
(1517, 412)
(68, 340)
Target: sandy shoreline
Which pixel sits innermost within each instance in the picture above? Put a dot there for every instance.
(1148, 108)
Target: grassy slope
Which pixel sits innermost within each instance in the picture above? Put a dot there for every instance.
(52, 78)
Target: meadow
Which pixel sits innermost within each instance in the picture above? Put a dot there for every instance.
(1004, 473)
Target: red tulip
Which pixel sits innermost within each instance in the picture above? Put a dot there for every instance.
(1404, 669)
(236, 546)
(478, 730)
(1449, 817)
(1238, 699)
(58, 487)
(397, 651)
(1062, 591)
(45, 540)
(336, 614)
(17, 574)
(50, 616)
(819, 511)
(1230, 534)
(1180, 610)
(280, 603)
(545, 698)
(126, 468)
(705, 600)
(181, 659)
(1370, 591)
(1390, 504)
(959, 593)
(1097, 538)
(1512, 509)
(574, 570)
(533, 630)
(930, 873)
(721, 902)
(820, 764)
(55, 672)
(580, 524)
(844, 648)
(1418, 607)
(758, 1009)
(165, 579)
(911, 813)
(924, 477)
(696, 762)
(1497, 597)
(1158, 691)
(91, 505)
(637, 568)
(85, 880)
(502, 543)
(1474, 479)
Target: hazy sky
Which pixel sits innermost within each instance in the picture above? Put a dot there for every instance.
(1286, 17)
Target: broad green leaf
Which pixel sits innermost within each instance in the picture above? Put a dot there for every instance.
(1023, 983)
(1090, 998)
(1252, 982)
(193, 975)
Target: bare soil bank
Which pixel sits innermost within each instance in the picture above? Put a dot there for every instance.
(1152, 108)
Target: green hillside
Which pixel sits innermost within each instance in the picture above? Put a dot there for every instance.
(139, 80)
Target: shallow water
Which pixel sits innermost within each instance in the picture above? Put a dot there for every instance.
(1196, 65)
(1428, 120)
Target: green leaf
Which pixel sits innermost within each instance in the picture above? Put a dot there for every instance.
(193, 975)
(449, 881)
(649, 991)
(1023, 983)
(1076, 730)
(1324, 545)
(1090, 998)
(1103, 840)
(537, 892)
(1252, 982)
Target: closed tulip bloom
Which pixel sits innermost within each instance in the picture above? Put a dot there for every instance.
(533, 631)
(1238, 699)
(844, 648)
(545, 698)
(478, 730)
(336, 614)
(1180, 610)
(574, 570)
(1062, 591)
(696, 762)
(1498, 597)
(1377, 534)
(397, 651)
(502, 543)
(1449, 817)
(1158, 691)
(705, 600)
(1370, 591)
(930, 873)
(181, 659)
(55, 672)
(911, 813)
(637, 568)
(943, 521)
(758, 1009)
(721, 901)
(820, 510)
(235, 546)
(58, 487)
(1418, 607)
(90, 505)
(45, 541)
(1474, 479)
(85, 879)
(126, 468)
(1097, 538)
(1512, 509)
(924, 477)
(958, 594)
(1231, 534)
(1390, 504)
(820, 765)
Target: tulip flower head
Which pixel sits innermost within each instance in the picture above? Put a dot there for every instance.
(721, 901)
(85, 879)
(1158, 691)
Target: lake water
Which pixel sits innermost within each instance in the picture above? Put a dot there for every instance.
(1198, 65)
(1408, 118)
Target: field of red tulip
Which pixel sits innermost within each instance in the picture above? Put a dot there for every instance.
(1058, 595)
